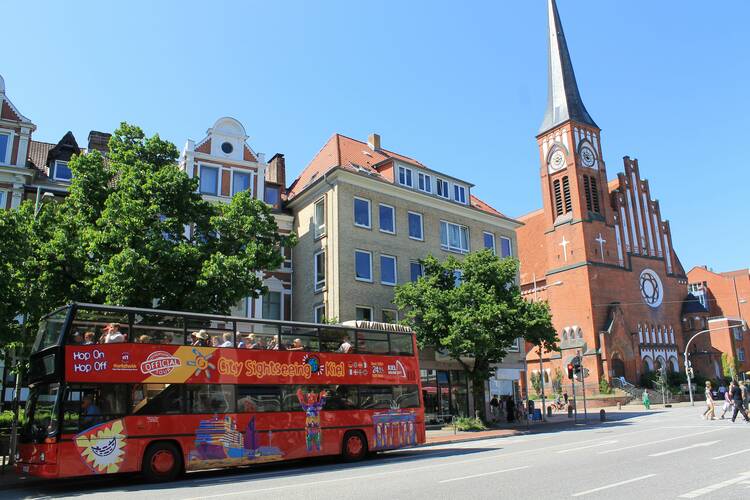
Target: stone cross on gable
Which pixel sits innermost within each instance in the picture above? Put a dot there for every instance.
(601, 241)
(564, 244)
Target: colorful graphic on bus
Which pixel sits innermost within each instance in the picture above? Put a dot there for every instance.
(312, 404)
(102, 447)
(218, 443)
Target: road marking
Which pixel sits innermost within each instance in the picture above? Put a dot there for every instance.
(613, 485)
(730, 454)
(662, 440)
(669, 452)
(605, 443)
(708, 489)
(484, 474)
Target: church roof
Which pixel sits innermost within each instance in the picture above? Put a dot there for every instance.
(563, 99)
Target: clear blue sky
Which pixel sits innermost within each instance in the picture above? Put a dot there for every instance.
(461, 87)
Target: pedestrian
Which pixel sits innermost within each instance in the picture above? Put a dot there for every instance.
(722, 390)
(709, 403)
(565, 397)
(510, 409)
(739, 403)
(727, 404)
(494, 404)
(646, 400)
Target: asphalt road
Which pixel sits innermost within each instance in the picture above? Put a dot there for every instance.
(670, 453)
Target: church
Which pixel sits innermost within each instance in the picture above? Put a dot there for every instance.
(599, 250)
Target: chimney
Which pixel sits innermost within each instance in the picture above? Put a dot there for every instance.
(99, 141)
(373, 142)
(276, 171)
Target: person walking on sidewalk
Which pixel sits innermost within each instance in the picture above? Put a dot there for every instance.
(739, 403)
(709, 403)
(727, 404)
(646, 400)
(494, 405)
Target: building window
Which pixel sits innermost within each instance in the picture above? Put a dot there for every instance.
(272, 195)
(209, 180)
(458, 277)
(459, 194)
(62, 172)
(489, 242)
(363, 265)
(515, 346)
(425, 183)
(388, 272)
(404, 176)
(416, 228)
(362, 212)
(4, 148)
(319, 218)
(740, 354)
(566, 195)
(319, 314)
(272, 305)
(320, 271)
(506, 250)
(390, 316)
(227, 147)
(3, 199)
(442, 188)
(241, 181)
(738, 333)
(454, 237)
(592, 194)
(364, 313)
(416, 270)
(387, 219)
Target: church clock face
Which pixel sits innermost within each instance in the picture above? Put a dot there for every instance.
(557, 161)
(652, 290)
(588, 158)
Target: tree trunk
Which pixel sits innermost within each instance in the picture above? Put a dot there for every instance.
(477, 389)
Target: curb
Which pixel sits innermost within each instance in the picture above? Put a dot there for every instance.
(517, 432)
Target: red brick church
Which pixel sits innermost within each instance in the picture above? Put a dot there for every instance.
(598, 250)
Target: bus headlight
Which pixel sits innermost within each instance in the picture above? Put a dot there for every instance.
(17, 457)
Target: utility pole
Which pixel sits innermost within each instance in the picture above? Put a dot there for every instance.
(583, 387)
(541, 381)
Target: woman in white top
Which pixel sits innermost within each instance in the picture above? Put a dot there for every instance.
(112, 334)
(710, 403)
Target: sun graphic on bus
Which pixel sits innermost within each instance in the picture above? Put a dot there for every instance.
(202, 363)
(102, 447)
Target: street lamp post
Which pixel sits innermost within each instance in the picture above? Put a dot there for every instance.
(687, 346)
(539, 349)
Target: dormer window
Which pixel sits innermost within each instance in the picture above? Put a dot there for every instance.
(425, 183)
(4, 147)
(459, 194)
(442, 188)
(272, 195)
(61, 171)
(404, 177)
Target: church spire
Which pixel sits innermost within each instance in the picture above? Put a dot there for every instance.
(563, 100)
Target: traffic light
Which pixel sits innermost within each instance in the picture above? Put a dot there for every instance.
(570, 371)
(576, 362)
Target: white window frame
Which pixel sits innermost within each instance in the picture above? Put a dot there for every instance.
(444, 187)
(394, 311)
(447, 246)
(65, 164)
(218, 178)
(4, 194)
(510, 246)
(424, 182)
(365, 280)
(231, 181)
(421, 225)
(421, 267)
(319, 228)
(515, 346)
(9, 149)
(281, 304)
(410, 177)
(319, 285)
(484, 242)
(395, 270)
(315, 313)
(457, 188)
(369, 212)
(393, 218)
(372, 311)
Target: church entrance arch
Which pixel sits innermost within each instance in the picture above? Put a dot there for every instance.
(658, 363)
(674, 367)
(647, 365)
(618, 366)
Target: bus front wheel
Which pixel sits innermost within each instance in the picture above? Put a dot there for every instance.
(355, 446)
(162, 462)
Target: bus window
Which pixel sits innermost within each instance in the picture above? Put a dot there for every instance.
(207, 333)
(257, 336)
(258, 398)
(406, 396)
(91, 326)
(336, 340)
(299, 339)
(372, 342)
(157, 399)
(401, 343)
(341, 397)
(91, 404)
(376, 397)
(210, 398)
(50, 329)
(158, 329)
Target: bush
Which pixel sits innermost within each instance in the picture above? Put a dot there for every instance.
(469, 424)
(6, 418)
(604, 387)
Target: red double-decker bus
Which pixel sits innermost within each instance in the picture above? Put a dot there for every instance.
(117, 389)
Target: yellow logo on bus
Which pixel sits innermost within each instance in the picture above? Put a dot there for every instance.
(102, 447)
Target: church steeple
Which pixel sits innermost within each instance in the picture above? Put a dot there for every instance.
(563, 99)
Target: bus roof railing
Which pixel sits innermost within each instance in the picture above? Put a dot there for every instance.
(347, 325)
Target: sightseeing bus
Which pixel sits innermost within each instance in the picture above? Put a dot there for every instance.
(120, 389)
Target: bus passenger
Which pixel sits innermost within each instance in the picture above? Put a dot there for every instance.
(296, 346)
(89, 410)
(200, 338)
(240, 342)
(89, 338)
(168, 338)
(112, 334)
(346, 345)
(76, 338)
(227, 340)
(143, 339)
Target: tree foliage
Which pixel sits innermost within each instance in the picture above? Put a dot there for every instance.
(134, 231)
(472, 310)
(729, 366)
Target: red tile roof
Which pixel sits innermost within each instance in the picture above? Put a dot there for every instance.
(347, 153)
(38, 152)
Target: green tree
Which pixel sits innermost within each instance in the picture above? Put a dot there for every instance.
(729, 366)
(472, 310)
(135, 231)
(536, 382)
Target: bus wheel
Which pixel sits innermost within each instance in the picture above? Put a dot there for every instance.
(355, 446)
(162, 462)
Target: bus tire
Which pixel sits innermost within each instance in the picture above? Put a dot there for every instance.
(354, 446)
(162, 462)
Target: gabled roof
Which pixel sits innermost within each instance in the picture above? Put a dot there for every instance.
(38, 152)
(691, 305)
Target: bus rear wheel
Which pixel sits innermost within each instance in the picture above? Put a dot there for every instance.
(355, 446)
(162, 462)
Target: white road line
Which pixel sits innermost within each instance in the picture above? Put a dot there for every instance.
(730, 454)
(484, 474)
(662, 440)
(709, 489)
(605, 443)
(697, 445)
(613, 485)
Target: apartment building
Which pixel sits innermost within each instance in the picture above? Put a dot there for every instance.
(365, 216)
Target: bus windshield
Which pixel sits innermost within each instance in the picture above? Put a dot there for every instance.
(50, 329)
(40, 417)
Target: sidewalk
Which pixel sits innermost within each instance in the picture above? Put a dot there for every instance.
(449, 435)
